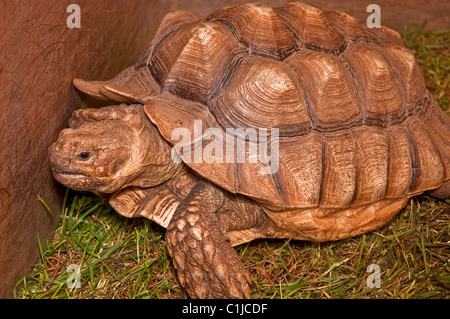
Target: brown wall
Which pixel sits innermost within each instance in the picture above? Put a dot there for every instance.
(39, 57)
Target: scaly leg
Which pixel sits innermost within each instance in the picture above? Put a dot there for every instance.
(207, 265)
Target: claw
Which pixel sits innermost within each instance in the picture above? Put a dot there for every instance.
(206, 263)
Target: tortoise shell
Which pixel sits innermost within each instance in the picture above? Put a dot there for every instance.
(355, 122)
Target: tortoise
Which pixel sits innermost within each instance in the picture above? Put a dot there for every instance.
(352, 129)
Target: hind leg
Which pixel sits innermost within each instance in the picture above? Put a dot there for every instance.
(442, 192)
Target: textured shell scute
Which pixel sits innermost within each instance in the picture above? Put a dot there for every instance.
(349, 102)
(197, 59)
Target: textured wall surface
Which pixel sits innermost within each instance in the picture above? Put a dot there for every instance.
(39, 57)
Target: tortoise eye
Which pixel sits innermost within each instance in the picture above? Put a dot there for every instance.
(84, 156)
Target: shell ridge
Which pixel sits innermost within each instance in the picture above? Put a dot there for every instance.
(439, 133)
(388, 162)
(395, 78)
(339, 170)
(158, 39)
(383, 102)
(279, 186)
(188, 34)
(324, 166)
(400, 168)
(331, 91)
(309, 15)
(286, 52)
(361, 102)
(211, 47)
(370, 149)
(413, 156)
(171, 89)
(309, 109)
(227, 79)
(355, 164)
(259, 28)
(390, 118)
(423, 149)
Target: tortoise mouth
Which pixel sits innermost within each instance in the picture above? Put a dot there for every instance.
(66, 171)
(80, 182)
(66, 175)
(76, 181)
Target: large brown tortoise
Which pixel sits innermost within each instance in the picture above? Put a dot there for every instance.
(291, 122)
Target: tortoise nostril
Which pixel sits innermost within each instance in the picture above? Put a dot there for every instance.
(84, 156)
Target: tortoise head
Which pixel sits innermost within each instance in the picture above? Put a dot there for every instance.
(110, 148)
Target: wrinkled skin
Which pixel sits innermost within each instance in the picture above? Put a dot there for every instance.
(83, 161)
(109, 149)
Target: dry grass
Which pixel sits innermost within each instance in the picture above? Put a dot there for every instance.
(123, 258)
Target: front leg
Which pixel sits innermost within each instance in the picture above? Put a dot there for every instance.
(207, 265)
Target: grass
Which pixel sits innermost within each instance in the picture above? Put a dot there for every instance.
(432, 52)
(127, 258)
(117, 257)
